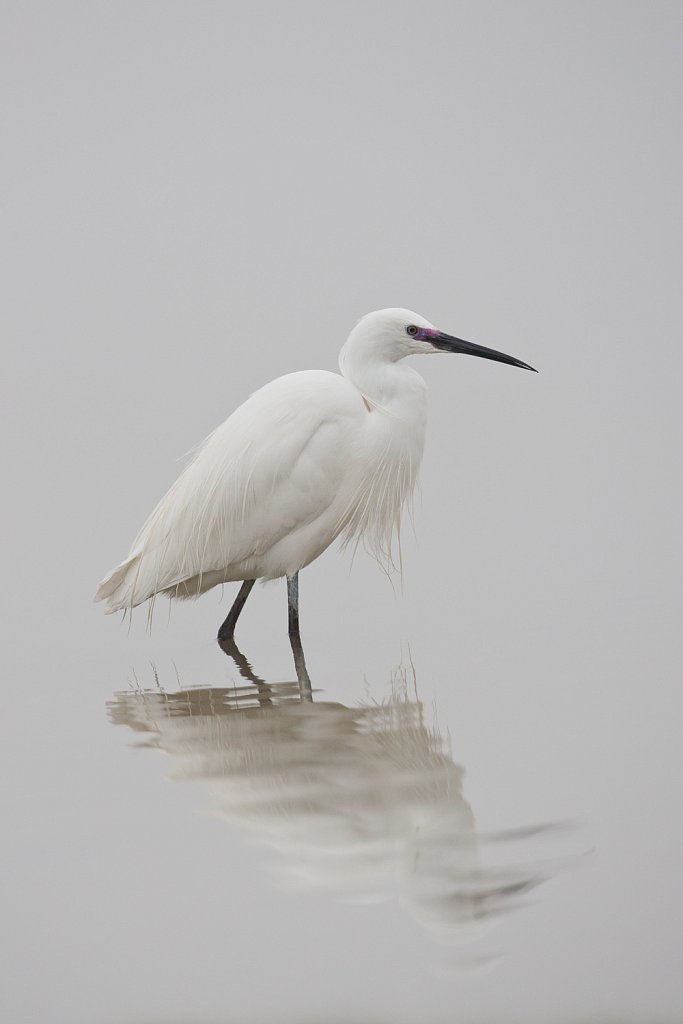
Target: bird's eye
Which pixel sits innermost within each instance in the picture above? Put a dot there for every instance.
(411, 330)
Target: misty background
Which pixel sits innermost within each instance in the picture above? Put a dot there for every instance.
(199, 197)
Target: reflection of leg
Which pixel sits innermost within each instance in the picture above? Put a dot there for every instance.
(227, 630)
(230, 648)
(293, 603)
(305, 688)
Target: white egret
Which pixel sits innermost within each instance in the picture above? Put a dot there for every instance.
(310, 457)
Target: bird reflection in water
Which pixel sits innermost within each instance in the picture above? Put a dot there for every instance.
(365, 800)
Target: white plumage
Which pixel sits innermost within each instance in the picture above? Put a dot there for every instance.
(309, 457)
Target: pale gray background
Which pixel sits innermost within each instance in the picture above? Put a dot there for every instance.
(198, 197)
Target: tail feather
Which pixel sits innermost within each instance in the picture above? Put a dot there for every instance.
(118, 588)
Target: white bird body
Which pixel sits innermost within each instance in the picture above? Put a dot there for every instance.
(281, 479)
(309, 457)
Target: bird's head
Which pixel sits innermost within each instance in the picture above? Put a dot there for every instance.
(392, 334)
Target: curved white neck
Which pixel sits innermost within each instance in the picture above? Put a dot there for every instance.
(386, 383)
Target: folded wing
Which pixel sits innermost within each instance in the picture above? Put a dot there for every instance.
(274, 466)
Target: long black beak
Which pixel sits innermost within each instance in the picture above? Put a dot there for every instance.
(450, 344)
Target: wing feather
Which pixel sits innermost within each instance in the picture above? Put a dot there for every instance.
(270, 469)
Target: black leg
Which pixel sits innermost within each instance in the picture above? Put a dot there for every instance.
(305, 689)
(293, 603)
(227, 630)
